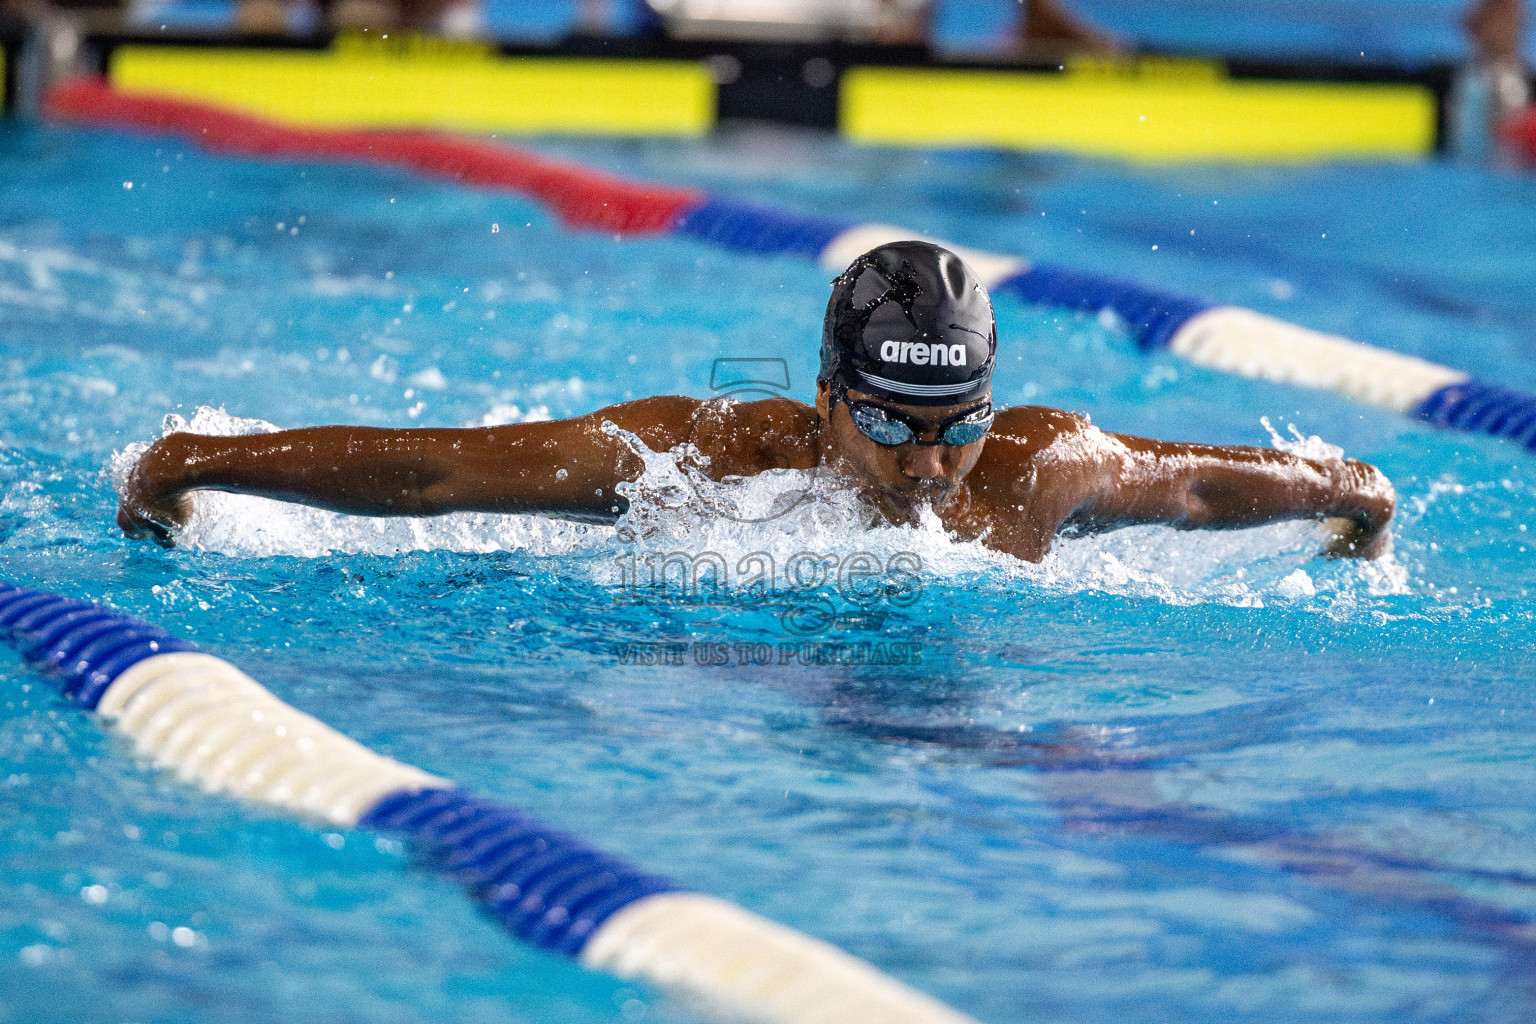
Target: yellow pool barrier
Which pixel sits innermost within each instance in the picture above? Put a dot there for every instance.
(1147, 110)
(363, 82)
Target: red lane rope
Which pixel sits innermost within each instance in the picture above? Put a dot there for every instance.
(579, 196)
(1520, 130)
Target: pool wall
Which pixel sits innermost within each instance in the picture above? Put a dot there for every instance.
(1227, 338)
(1143, 107)
(214, 726)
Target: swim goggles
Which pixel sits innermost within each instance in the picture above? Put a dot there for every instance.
(884, 425)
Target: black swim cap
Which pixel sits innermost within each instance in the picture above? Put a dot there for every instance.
(910, 323)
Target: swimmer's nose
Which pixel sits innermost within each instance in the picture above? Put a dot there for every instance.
(922, 462)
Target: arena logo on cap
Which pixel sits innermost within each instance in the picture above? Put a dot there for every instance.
(920, 354)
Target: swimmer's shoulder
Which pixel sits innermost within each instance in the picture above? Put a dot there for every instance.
(743, 438)
(661, 421)
(1038, 465)
(1021, 432)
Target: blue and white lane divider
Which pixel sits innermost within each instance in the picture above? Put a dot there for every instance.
(1227, 338)
(213, 725)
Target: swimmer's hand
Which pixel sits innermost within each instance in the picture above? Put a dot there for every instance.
(1347, 539)
(153, 504)
(1362, 512)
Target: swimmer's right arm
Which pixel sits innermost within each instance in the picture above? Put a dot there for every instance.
(566, 468)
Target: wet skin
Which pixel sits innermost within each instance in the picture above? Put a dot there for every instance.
(1039, 472)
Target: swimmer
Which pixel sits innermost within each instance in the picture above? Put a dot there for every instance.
(903, 415)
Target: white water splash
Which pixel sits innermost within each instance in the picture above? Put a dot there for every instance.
(503, 413)
(1308, 447)
(1297, 585)
(676, 507)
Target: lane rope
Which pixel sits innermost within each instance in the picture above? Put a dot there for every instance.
(1226, 338)
(1519, 132)
(214, 726)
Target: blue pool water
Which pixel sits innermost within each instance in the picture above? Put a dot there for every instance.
(1160, 777)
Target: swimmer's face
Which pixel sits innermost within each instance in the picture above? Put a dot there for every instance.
(902, 478)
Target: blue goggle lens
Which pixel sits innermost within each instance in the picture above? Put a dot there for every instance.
(877, 425)
(968, 431)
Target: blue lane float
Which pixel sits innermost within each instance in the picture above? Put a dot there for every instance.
(1152, 318)
(545, 886)
(214, 726)
(764, 230)
(1482, 408)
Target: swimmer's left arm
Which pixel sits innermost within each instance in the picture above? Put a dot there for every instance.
(1194, 486)
(566, 468)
